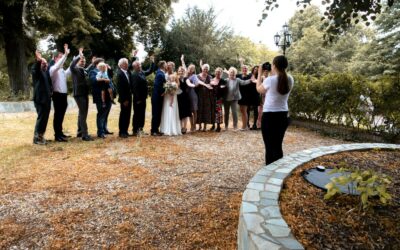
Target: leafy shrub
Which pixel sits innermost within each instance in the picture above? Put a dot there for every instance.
(349, 100)
(368, 183)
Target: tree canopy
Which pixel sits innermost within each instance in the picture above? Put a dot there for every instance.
(339, 15)
(197, 35)
(97, 24)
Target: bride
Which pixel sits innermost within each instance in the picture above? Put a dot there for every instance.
(170, 123)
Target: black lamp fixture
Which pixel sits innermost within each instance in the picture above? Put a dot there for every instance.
(287, 38)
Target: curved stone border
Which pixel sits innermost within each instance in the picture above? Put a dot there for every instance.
(27, 106)
(261, 225)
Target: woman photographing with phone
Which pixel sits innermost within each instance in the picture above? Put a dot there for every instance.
(274, 121)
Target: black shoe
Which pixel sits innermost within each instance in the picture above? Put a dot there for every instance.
(61, 139)
(102, 136)
(65, 136)
(218, 129)
(39, 141)
(123, 135)
(79, 135)
(133, 134)
(87, 138)
(108, 133)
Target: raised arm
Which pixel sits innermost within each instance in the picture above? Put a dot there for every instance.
(60, 62)
(75, 60)
(152, 68)
(36, 66)
(241, 60)
(183, 62)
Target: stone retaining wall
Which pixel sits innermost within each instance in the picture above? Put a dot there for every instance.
(28, 106)
(261, 225)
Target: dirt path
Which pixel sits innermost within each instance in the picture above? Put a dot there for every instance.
(148, 193)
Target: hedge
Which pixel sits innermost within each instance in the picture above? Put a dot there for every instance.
(349, 100)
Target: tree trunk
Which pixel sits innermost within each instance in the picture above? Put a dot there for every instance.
(15, 48)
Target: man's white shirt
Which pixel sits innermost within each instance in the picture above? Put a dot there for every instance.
(59, 76)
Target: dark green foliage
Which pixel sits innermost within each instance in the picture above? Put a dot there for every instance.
(339, 15)
(338, 99)
(120, 21)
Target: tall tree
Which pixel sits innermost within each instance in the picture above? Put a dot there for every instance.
(198, 36)
(21, 21)
(380, 54)
(121, 21)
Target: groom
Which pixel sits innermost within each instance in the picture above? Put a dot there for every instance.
(157, 98)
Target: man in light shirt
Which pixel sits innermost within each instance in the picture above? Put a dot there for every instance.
(60, 91)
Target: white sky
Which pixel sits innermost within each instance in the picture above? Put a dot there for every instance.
(243, 16)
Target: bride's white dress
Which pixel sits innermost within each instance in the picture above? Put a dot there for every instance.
(170, 123)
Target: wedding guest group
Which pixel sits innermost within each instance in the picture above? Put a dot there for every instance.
(178, 98)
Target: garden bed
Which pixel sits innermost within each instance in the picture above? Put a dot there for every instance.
(339, 223)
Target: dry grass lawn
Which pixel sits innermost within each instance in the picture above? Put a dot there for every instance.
(148, 193)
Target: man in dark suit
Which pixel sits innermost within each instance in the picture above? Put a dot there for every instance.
(80, 93)
(102, 112)
(124, 81)
(41, 97)
(157, 98)
(140, 92)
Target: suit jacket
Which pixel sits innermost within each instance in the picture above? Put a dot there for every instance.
(79, 83)
(140, 85)
(41, 84)
(158, 88)
(124, 86)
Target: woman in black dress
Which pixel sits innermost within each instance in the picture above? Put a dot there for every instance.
(246, 98)
(254, 100)
(183, 100)
(206, 105)
(219, 86)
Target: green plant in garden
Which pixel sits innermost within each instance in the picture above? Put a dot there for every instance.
(367, 182)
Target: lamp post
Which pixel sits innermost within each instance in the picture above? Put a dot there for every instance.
(287, 38)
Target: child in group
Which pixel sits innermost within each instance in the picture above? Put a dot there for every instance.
(102, 74)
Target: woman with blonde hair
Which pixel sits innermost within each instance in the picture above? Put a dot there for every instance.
(233, 96)
(206, 104)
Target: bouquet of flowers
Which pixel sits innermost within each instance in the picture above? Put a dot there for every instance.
(170, 88)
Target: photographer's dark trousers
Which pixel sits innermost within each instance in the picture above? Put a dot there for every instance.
(83, 106)
(43, 111)
(139, 113)
(60, 104)
(273, 127)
